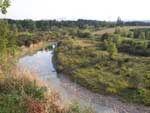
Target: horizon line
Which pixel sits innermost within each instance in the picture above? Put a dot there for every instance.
(62, 19)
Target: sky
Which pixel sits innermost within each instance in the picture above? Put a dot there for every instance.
(107, 10)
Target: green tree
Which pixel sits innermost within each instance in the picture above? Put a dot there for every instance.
(142, 35)
(117, 30)
(3, 40)
(131, 34)
(117, 40)
(145, 44)
(119, 22)
(123, 31)
(4, 4)
(111, 48)
(12, 44)
(148, 36)
(105, 36)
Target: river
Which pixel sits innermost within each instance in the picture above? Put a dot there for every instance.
(41, 64)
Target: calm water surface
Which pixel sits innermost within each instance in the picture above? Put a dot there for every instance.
(41, 63)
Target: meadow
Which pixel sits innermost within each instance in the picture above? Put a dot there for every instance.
(110, 64)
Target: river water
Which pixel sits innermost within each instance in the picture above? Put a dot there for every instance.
(41, 64)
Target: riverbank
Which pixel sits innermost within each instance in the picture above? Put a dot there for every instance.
(22, 92)
(110, 102)
(20, 52)
(94, 70)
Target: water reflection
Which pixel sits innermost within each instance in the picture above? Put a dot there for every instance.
(41, 63)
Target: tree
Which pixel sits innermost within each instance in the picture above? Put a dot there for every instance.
(12, 44)
(105, 36)
(111, 48)
(145, 44)
(117, 40)
(117, 30)
(3, 40)
(119, 22)
(4, 4)
(141, 35)
(83, 34)
(148, 36)
(123, 31)
(131, 34)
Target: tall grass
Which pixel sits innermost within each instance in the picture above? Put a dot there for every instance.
(22, 92)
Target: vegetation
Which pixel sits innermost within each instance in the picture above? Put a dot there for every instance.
(135, 41)
(27, 39)
(100, 63)
(21, 92)
(111, 64)
(4, 4)
(7, 38)
(46, 25)
(111, 48)
(50, 25)
(99, 67)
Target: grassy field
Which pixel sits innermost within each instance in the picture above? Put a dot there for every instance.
(124, 75)
(112, 30)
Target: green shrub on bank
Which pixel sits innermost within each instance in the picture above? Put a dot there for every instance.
(21, 92)
(124, 75)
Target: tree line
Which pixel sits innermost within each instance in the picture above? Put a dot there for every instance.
(45, 25)
(120, 22)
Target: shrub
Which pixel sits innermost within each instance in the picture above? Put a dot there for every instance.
(22, 92)
(126, 76)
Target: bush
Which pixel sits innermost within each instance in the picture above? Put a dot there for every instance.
(126, 76)
(139, 48)
(21, 92)
(83, 34)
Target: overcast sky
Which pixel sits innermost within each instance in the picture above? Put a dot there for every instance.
(75, 9)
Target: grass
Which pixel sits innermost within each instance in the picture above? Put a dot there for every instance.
(22, 92)
(124, 75)
(18, 90)
(112, 30)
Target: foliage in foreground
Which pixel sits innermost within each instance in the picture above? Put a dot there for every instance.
(21, 92)
(123, 75)
(4, 4)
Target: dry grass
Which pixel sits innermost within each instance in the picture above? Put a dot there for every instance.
(33, 95)
(34, 106)
(84, 43)
(112, 30)
(106, 30)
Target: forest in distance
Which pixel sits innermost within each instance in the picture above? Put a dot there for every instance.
(109, 59)
(44, 25)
